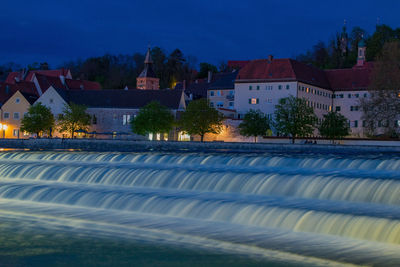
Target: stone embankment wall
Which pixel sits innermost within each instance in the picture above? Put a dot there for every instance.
(140, 146)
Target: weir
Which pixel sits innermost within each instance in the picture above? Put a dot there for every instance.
(327, 207)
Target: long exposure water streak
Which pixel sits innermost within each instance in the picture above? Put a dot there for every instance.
(320, 209)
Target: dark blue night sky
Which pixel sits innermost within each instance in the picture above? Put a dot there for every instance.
(58, 31)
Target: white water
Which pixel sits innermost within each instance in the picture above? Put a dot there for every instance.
(312, 209)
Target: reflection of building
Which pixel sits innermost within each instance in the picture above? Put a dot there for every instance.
(13, 111)
(147, 79)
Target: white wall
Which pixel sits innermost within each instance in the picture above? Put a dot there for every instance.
(268, 94)
(351, 99)
(52, 100)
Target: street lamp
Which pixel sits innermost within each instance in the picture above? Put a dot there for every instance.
(4, 128)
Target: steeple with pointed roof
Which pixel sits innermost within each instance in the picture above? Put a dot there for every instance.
(361, 52)
(147, 79)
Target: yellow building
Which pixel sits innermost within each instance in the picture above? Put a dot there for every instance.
(13, 110)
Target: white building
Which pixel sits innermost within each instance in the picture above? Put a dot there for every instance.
(261, 83)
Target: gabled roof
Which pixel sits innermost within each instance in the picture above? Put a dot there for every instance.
(237, 64)
(7, 90)
(11, 78)
(30, 97)
(130, 99)
(356, 78)
(46, 81)
(283, 70)
(82, 85)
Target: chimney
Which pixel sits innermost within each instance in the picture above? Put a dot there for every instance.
(209, 77)
(270, 58)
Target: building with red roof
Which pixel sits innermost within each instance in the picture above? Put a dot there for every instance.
(23, 75)
(262, 82)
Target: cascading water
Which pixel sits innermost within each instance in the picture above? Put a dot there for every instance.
(324, 209)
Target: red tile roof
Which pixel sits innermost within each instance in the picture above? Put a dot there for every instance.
(237, 63)
(29, 76)
(82, 85)
(356, 78)
(349, 79)
(46, 81)
(7, 90)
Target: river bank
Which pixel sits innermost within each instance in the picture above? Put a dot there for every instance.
(171, 146)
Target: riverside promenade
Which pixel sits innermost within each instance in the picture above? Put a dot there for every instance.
(173, 146)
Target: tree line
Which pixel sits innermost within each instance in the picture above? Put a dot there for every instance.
(341, 50)
(293, 118)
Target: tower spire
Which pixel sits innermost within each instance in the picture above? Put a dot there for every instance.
(148, 59)
(147, 79)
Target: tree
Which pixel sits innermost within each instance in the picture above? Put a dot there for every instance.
(199, 119)
(153, 118)
(39, 119)
(294, 117)
(334, 125)
(73, 118)
(254, 123)
(383, 105)
(205, 68)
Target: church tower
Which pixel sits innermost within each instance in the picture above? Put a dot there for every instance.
(147, 79)
(361, 53)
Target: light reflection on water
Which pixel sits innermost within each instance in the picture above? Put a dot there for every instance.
(314, 209)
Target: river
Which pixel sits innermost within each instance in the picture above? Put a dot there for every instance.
(272, 208)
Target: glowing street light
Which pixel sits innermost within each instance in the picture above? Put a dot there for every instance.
(4, 128)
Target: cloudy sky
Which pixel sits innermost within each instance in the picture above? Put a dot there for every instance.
(212, 31)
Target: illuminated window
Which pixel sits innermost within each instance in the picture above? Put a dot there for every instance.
(307, 90)
(253, 101)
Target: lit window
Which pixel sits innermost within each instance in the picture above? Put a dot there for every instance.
(16, 132)
(307, 90)
(254, 101)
